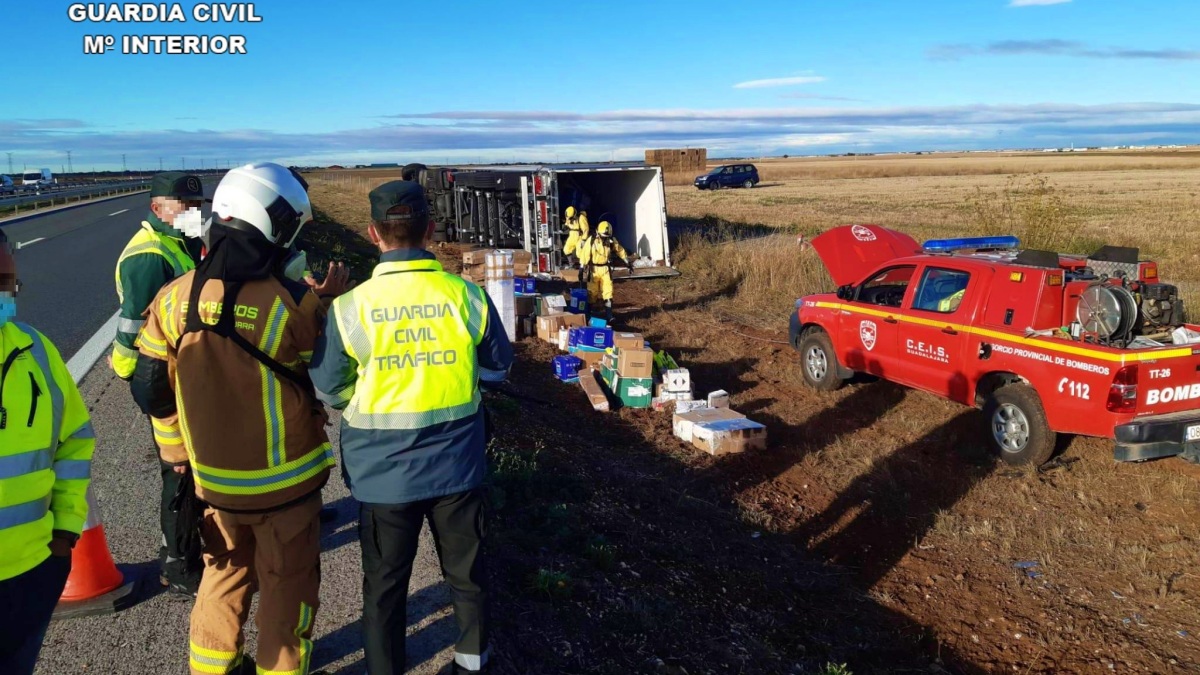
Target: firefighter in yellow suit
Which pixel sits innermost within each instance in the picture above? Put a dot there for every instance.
(596, 254)
(578, 232)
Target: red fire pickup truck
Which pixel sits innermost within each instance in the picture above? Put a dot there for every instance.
(1045, 343)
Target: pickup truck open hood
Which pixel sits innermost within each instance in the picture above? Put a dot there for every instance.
(850, 252)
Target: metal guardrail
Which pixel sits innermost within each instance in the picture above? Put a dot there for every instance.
(16, 202)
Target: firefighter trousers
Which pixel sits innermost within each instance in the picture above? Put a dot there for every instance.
(276, 553)
(600, 286)
(389, 534)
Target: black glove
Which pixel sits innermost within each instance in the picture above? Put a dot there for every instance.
(629, 265)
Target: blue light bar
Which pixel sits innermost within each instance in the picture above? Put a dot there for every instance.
(965, 243)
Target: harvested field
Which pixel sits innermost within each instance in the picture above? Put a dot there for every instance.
(875, 531)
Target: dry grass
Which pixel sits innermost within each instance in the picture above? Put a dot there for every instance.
(1157, 210)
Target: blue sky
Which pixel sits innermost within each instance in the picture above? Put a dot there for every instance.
(366, 81)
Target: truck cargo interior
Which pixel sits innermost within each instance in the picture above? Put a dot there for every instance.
(632, 199)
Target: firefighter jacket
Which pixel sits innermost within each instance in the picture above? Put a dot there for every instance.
(155, 255)
(255, 440)
(402, 355)
(46, 445)
(598, 251)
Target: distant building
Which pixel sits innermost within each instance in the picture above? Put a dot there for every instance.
(385, 165)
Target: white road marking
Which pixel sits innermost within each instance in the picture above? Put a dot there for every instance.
(93, 349)
(31, 242)
(118, 212)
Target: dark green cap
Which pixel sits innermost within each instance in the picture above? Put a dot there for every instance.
(177, 184)
(398, 200)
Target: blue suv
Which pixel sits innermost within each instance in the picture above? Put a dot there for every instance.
(728, 175)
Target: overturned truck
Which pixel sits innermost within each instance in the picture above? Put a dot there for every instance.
(523, 207)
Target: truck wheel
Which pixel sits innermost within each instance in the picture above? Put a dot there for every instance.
(819, 363)
(748, 184)
(1016, 425)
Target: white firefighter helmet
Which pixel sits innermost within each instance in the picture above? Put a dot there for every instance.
(265, 197)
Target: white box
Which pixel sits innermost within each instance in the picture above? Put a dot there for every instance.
(677, 380)
(689, 406)
(718, 399)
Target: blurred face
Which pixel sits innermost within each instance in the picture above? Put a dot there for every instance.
(167, 208)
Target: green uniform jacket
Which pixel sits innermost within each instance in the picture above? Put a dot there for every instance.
(154, 256)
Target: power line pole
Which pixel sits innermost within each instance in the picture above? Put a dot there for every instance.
(160, 165)
(70, 167)
(9, 162)
(124, 168)
(184, 160)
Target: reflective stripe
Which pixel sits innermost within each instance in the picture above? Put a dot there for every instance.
(72, 469)
(489, 375)
(272, 388)
(12, 466)
(265, 481)
(212, 660)
(340, 399)
(476, 312)
(85, 431)
(122, 350)
(303, 632)
(472, 661)
(415, 420)
(130, 325)
(306, 356)
(23, 514)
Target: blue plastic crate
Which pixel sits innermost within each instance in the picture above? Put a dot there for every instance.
(527, 285)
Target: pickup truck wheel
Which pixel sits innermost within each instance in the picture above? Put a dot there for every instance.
(1016, 425)
(818, 362)
(748, 184)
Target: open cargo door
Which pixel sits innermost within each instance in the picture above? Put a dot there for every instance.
(632, 199)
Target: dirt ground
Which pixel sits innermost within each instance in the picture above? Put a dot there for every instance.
(874, 532)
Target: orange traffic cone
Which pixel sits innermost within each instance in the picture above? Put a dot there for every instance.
(95, 585)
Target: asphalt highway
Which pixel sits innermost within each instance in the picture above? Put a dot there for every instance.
(66, 262)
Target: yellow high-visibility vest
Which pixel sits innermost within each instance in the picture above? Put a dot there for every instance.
(413, 330)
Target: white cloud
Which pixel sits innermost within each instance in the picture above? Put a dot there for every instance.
(1035, 3)
(779, 82)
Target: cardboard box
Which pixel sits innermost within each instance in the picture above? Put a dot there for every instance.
(681, 423)
(571, 276)
(528, 327)
(678, 380)
(547, 327)
(476, 257)
(593, 390)
(724, 437)
(686, 406)
(551, 304)
(718, 399)
(635, 363)
(590, 359)
(567, 367)
(573, 320)
(523, 305)
(628, 341)
(634, 392)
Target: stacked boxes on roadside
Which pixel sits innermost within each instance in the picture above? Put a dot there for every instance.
(719, 431)
(475, 264)
(501, 288)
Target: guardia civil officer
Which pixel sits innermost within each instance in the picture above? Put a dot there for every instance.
(403, 355)
(46, 445)
(166, 247)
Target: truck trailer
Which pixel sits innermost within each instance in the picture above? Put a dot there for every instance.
(523, 207)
